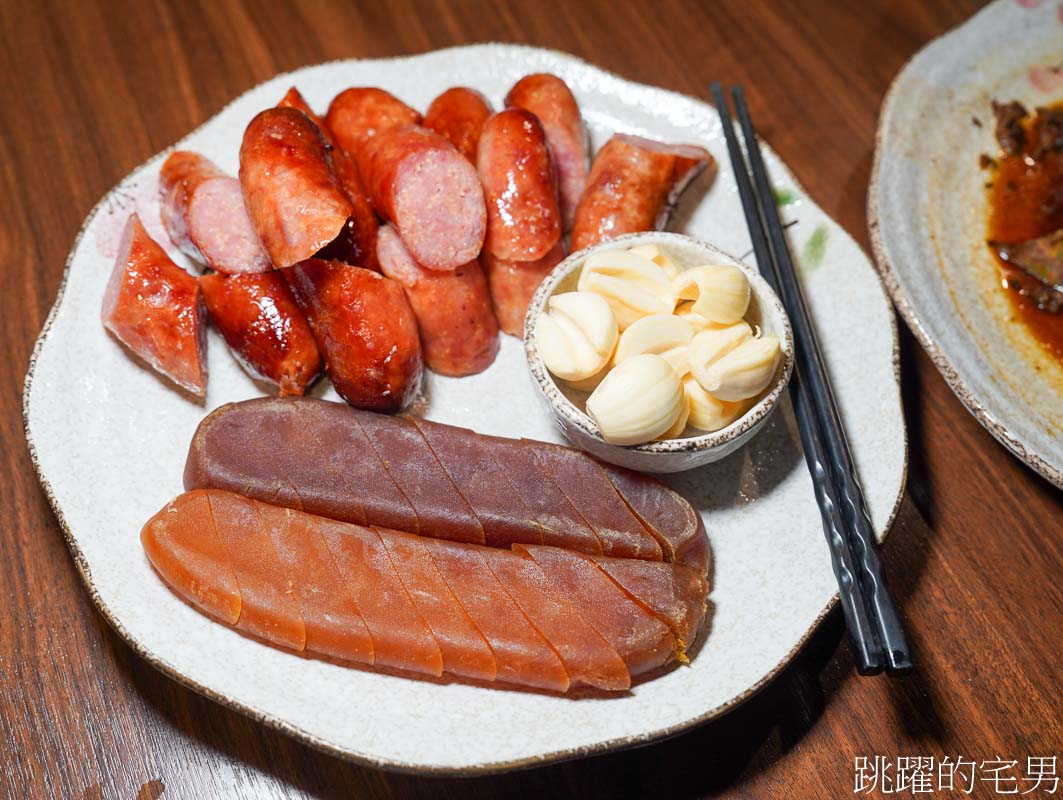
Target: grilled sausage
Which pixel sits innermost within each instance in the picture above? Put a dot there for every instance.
(459, 333)
(633, 186)
(365, 330)
(520, 187)
(459, 114)
(417, 181)
(549, 98)
(292, 193)
(153, 307)
(203, 210)
(260, 321)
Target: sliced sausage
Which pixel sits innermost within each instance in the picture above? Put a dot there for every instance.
(633, 186)
(358, 245)
(203, 210)
(431, 194)
(295, 200)
(358, 114)
(512, 284)
(153, 307)
(459, 332)
(520, 187)
(549, 98)
(260, 321)
(459, 114)
(365, 329)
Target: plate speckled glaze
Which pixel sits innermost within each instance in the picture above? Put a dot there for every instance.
(108, 440)
(927, 213)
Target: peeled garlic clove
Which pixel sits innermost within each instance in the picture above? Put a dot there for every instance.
(663, 334)
(699, 323)
(633, 286)
(658, 257)
(720, 292)
(576, 335)
(711, 344)
(680, 424)
(743, 372)
(708, 413)
(640, 399)
(656, 333)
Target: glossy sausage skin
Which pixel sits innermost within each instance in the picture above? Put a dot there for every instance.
(512, 284)
(549, 98)
(520, 187)
(633, 186)
(295, 200)
(459, 114)
(364, 328)
(358, 114)
(459, 333)
(153, 307)
(431, 194)
(358, 244)
(203, 210)
(260, 321)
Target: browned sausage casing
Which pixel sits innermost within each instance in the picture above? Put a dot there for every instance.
(459, 332)
(520, 187)
(203, 210)
(365, 329)
(359, 246)
(358, 114)
(459, 114)
(633, 186)
(292, 193)
(431, 194)
(513, 283)
(259, 319)
(549, 98)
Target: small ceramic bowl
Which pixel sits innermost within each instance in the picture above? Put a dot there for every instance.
(671, 455)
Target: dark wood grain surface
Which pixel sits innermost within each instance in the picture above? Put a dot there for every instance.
(92, 89)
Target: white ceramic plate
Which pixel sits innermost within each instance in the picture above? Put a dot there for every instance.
(108, 440)
(927, 211)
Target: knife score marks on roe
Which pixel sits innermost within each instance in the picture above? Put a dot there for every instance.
(1025, 224)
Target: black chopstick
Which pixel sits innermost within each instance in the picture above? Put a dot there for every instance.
(871, 615)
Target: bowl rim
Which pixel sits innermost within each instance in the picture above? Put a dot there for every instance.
(706, 442)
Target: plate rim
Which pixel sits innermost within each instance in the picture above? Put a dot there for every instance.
(300, 734)
(883, 266)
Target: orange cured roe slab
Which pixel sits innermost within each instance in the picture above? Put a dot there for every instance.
(153, 307)
(464, 649)
(334, 624)
(183, 546)
(673, 593)
(401, 637)
(642, 640)
(268, 609)
(588, 657)
(522, 654)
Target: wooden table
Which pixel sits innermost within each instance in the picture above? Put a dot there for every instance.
(92, 89)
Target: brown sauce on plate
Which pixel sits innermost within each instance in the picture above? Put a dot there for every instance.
(1026, 201)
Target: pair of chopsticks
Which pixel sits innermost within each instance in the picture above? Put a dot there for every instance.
(870, 613)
